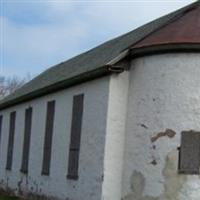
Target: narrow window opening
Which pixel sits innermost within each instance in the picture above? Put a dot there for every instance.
(76, 126)
(48, 138)
(11, 141)
(1, 123)
(27, 138)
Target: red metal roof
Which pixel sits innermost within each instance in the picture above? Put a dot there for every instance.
(184, 30)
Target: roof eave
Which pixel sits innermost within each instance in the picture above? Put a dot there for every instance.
(164, 48)
(103, 71)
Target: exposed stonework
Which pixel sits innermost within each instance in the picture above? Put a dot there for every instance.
(173, 182)
(168, 132)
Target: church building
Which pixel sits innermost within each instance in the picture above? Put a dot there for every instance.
(118, 122)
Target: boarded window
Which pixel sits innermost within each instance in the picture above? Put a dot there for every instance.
(11, 141)
(27, 138)
(48, 138)
(77, 114)
(189, 153)
(1, 122)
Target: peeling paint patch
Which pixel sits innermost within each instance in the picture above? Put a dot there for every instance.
(29, 196)
(7, 192)
(143, 126)
(172, 185)
(23, 192)
(168, 132)
(137, 187)
(173, 181)
(20, 187)
(154, 162)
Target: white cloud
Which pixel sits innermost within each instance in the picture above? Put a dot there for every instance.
(127, 15)
(40, 45)
(73, 26)
(60, 5)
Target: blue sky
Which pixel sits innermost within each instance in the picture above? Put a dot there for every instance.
(37, 34)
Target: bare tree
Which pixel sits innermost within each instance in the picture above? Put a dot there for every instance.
(13, 83)
(9, 84)
(2, 87)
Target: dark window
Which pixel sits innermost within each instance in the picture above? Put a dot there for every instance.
(77, 114)
(189, 153)
(27, 138)
(11, 141)
(48, 138)
(1, 122)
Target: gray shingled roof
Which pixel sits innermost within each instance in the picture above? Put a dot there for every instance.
(88, 65)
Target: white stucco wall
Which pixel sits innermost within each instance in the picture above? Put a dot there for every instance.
(89, 184)
(164, 93)
(114, 146)
(158, 92)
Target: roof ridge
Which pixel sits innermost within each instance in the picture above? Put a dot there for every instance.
(191, 6)
(186, 8)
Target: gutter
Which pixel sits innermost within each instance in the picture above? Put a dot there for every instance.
(82, 78)
(111, 67)
(165, 48)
